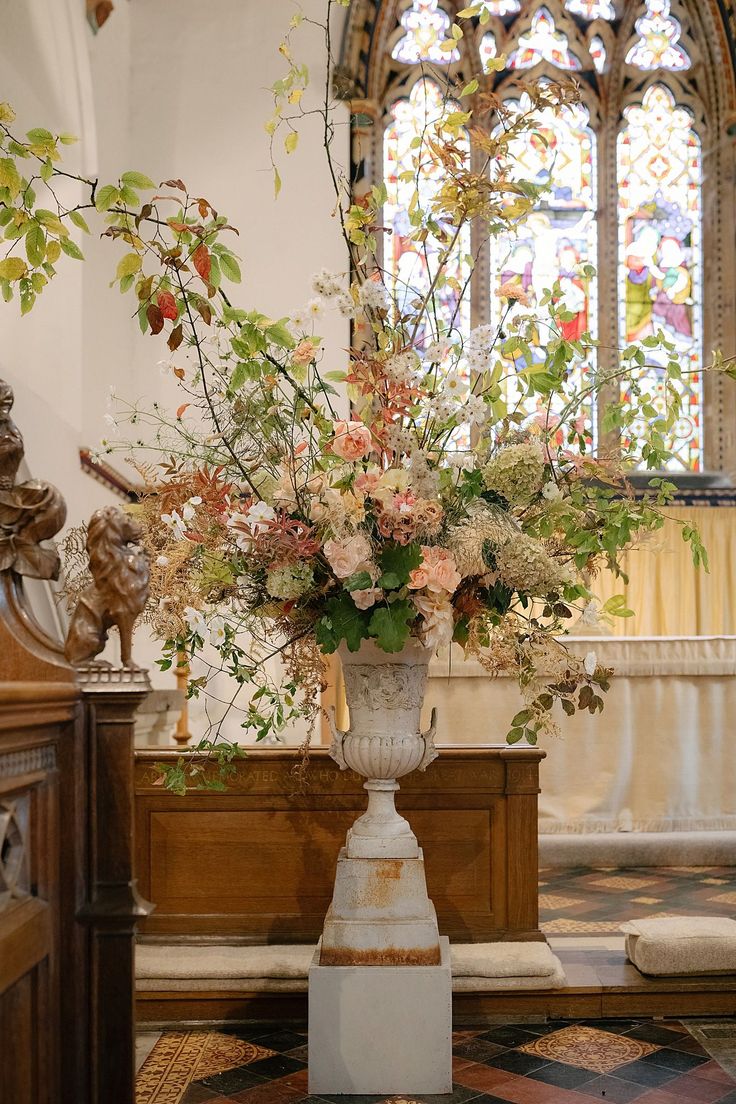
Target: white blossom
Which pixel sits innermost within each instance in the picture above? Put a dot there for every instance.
(551, 491)
(590, 663)
(316, 307)
(327, 284)
(175, 523)
(345, 304)
(195, 621)
(217, 631)
(162, 561)
(190, 507)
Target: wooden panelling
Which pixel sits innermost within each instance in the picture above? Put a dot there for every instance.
(257, 863)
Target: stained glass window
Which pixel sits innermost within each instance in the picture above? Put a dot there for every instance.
(411, 264)
(502, 7)
(559, 240)
(426, 26)
(543, 42)
(598, 53)
(659, 180)
(592, 9)
(657, 46)
(488, 47)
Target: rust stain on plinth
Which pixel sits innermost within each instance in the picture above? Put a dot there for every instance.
(387, 956)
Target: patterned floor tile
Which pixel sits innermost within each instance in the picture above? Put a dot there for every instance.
(606, 897)
(589, 1049)
(548, 1062)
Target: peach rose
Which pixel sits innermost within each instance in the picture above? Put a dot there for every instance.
(352, 440)
(304, 353)
(348, 556)
(436, 573)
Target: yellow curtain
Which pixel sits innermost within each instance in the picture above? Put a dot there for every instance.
(668, 595)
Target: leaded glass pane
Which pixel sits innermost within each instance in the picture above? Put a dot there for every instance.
(657, 46)
(556, 243)
(659, 179)
(543, 42)
(411, 264)
(598, 53)
(592, 9)
(502, 7)
(426, 26)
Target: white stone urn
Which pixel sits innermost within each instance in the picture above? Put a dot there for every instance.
(385, 693)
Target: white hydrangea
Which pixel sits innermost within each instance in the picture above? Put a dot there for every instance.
(524, 565)
(373, 296)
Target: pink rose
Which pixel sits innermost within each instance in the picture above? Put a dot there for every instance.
(367, 482)
(446, 576)
(352, 440)
(349, 556)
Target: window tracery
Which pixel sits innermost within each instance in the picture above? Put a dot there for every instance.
(632, 60)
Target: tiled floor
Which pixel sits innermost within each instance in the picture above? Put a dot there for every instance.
(583, 900)
(542, 1063)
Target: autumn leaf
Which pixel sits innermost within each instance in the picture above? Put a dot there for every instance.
(174, 184)
(167, 304)
(155, 318)
(175, 338)
(181, 410)
(12, 268)
(202, 262)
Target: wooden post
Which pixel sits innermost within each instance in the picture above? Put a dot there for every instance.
(182, 735)
(114, 906)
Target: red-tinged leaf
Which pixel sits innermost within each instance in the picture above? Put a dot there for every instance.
(203, 207)
(179, 227)
(181, 410)
(174, 184)
(175, 338)
(205, 310)
(202, 262)
(167, 305)
(179, 373)
(155, 318)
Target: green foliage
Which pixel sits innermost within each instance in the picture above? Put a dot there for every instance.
(341, 621)
(389, 625)
(397, 561)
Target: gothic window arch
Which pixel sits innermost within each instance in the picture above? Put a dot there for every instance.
(642, 173)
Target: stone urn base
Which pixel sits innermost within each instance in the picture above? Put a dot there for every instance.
(380, 913)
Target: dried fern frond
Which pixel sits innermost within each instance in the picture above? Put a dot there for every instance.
(76, 576)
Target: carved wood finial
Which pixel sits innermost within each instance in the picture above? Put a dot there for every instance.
(30, 512)
(119, 589)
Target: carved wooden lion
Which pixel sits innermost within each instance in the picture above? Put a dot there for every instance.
(120, 572)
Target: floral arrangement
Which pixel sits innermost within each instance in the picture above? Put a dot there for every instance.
(456, 496)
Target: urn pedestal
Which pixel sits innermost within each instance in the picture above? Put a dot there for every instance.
(381, 971)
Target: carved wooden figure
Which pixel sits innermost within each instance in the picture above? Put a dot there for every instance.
(119, 589)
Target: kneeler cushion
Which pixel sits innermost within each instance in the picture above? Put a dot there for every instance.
(675, 946)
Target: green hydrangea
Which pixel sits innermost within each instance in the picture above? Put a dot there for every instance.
(290, 581)
(516, 472)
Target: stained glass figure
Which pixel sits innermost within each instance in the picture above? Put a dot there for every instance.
(502, 7)
(543, 42)
(411, 264)
(426, 26)
(660, 253)
(488, 47)
(658, 44)
(592, 9)
(556, 243)
(598, 53)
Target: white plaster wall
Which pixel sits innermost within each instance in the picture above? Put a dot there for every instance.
(171, 88)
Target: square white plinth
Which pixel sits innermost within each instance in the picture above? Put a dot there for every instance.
(380, 1029)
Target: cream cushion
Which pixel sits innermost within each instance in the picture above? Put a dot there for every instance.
(476, 967)
(672, 946)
